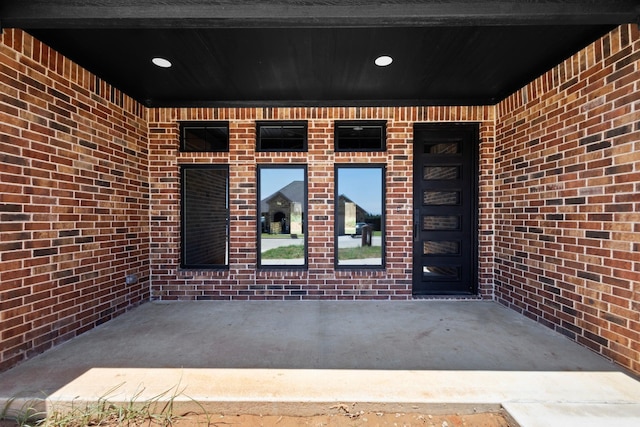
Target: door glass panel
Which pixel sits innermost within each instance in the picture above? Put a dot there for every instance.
(441, 198)
(283, 201)
(442, 148)
(434, 272)
(431, 247)
(441, 172)
(359, 216)
(440, 222)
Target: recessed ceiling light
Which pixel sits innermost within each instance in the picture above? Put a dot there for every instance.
(161, 62)
(383, 61)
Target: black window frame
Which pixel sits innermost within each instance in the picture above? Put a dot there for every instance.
(336, 207)
(338, 137)
(282, 124)
(259, 212)
(203, 124)
(183, 218)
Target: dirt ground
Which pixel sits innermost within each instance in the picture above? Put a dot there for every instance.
(368, 419)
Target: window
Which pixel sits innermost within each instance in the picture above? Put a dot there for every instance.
(282, 206)
(204, 136)
(360, 135)
(204, 216)
(281, 136)
(359, 216)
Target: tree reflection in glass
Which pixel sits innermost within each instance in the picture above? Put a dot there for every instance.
(359, 216)
(282, 207)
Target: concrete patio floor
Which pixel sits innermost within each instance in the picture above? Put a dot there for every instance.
(286, 357)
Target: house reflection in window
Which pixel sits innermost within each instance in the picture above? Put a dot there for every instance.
(359, 216)
(282, 200)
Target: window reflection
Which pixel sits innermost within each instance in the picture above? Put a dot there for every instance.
(359, 215)
(283, 200)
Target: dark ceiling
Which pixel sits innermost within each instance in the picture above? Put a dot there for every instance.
(317, 53)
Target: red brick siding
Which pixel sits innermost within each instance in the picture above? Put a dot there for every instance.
(73, 199)
(320, 280)
(90, 192)
(567, 193)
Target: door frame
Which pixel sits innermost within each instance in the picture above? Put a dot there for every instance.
(474, 129)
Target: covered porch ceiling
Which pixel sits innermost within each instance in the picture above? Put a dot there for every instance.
(229, 53)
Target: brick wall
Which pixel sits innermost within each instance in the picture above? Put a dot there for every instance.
(73, 199)
(320, 280)
(567, 198)
(90, 192)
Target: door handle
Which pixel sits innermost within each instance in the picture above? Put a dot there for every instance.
(416, 222)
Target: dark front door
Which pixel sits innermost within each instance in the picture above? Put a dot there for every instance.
(445, 209)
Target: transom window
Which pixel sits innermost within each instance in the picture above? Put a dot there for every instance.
(204, 136)
(360, 135)
(281, 136)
